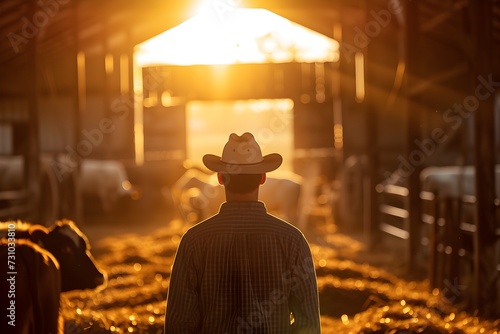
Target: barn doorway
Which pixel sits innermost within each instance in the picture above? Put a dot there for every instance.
(209, 124)
(201, 64)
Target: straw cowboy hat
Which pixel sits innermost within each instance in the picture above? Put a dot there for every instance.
(242, 155)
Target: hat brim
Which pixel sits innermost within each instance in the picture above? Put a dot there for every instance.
(269, 163)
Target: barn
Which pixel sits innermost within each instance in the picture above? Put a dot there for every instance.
(388, 110)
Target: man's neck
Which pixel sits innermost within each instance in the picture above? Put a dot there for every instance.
(250, 197)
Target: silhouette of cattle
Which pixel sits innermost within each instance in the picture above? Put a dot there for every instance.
(453, 181)
(30, 293)
(104, 181)
(46, 262)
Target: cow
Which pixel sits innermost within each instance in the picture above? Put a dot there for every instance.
(282, 193)
(47, 261)
(453, 181)
(102, 181)
(70, 247)
(31, 292)
(11, 172)
(199, 195)
(106, 181)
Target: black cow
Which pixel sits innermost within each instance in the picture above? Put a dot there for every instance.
(30, 289)
(47, 261)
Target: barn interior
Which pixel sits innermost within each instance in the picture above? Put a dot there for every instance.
(389, 111)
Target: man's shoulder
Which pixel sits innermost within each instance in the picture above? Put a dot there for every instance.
(219, 224)
(204, 227)
(284, 225)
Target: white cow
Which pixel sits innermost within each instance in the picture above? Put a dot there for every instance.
(282, 194)
(200, 193)
(11, 172)
(105, 180)
(12, 178)
(453, 181)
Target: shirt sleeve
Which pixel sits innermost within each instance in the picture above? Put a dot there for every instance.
(182, 315)
(304, 301)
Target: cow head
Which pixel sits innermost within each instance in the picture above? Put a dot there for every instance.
(71, 248)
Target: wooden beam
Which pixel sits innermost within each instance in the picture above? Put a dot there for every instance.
(447, 74)
(485, 264)
(431, 24)
(297, 4)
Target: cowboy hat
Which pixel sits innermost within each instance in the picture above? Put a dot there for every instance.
(242, 155)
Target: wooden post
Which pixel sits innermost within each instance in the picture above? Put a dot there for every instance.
(484, 146)
(435, 212)
(32, 153)
(453, 241)
(413, 126)
(79, 106)
(371, 215)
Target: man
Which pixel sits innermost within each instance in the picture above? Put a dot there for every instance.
(243, 270)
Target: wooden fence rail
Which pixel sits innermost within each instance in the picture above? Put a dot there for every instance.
(448, 238)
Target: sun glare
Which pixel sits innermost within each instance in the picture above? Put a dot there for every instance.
(210, 122)
(231, 35)
(236, 35)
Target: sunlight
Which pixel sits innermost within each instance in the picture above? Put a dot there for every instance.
(209, 124)
(359, 69)
(238, 36)
(231, 35)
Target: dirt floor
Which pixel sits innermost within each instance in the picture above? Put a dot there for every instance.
(361, 290)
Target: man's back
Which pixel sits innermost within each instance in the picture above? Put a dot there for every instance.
(243, 271)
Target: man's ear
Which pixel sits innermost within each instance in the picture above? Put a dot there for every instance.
(263, 178)
(219, 178)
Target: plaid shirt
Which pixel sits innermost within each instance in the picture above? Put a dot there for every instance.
(243, 271)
